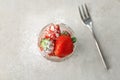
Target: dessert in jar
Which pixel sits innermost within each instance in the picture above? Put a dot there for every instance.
(56, 42)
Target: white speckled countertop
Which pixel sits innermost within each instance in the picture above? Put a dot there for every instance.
(21, 22)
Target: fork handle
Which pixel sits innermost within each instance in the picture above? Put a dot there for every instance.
(98, 47)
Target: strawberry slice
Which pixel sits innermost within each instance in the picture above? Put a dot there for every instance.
(52, 31)
(63, 46)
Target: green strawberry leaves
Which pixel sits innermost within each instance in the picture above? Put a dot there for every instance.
(74, 39)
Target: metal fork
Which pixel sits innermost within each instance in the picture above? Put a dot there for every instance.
(87, 20)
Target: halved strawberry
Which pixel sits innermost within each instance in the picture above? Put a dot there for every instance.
(47, 46)
(63, 46)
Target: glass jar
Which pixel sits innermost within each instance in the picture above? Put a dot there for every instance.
(63, 27)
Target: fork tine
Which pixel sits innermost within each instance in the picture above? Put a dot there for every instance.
(80, 12)
(84, 13)
(87, 10)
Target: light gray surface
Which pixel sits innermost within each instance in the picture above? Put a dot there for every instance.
(21, 22)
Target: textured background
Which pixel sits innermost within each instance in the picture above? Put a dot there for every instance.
(21, 22)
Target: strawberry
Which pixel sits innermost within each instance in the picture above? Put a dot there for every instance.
(63, 46)
(47, 45)
(52, 31)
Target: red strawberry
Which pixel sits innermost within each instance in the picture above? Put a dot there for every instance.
(52, 31)
(63, 46)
